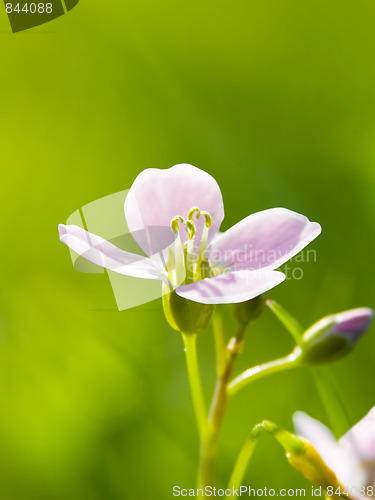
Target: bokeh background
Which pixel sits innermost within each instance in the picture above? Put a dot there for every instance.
(276, 100)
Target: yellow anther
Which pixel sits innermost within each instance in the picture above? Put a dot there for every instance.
(190, 228)
(208, 217)
(175, 223)
(200, 212)
(192, 212)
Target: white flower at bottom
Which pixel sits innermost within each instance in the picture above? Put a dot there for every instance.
(351, 458)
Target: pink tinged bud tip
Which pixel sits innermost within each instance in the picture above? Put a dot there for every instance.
(353, 323)
(334, 336)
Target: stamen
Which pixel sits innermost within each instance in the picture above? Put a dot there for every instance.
(190, 229)
(178, 270)
(208, 218)
(204, 240)
(192, 212)
(199, 213)
(184, 265)
(190, 255)
(175, 223)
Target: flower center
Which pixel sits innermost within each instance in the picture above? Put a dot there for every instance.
(185, 265)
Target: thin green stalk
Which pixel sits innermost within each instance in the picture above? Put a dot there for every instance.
(199, 404)
(293, 445)
(242, 463)
(209, 443)
(207, 471)
(219, 343)
(289, 321)
(260, 371)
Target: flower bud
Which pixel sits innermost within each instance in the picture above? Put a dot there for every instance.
(311, 465)
(334, 336)
(186, 315)
(300, 454)
(249, 311)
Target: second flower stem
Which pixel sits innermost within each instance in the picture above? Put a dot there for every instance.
(210, 427)
(210, 439)
(224, 390)
(260, 371)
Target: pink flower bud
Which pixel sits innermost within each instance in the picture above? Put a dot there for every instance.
(334, 336)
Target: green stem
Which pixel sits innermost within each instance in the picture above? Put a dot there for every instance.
(224, 390)
(242, 462)
(219, 344)
(199, 404)
(209, 443)
(261, 371)
(293, 445)
(210, 440)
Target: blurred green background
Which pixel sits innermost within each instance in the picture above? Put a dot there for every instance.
(276, 100)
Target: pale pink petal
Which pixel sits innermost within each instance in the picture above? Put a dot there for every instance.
(360, 439)
(157, 196)
(265, 240)
(232, 287)
(322, 439)
(104, 254)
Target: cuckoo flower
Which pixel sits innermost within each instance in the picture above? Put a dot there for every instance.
(351, 458)
(202, 264)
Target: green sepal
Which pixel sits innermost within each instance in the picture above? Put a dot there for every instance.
(320, 345)
(329, 349)
(289, 321)
(186, 315)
